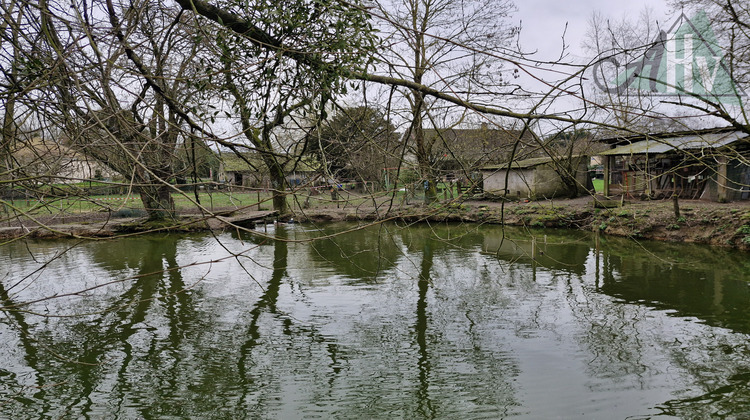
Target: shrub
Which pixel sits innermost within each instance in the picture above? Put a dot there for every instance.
(124, 213)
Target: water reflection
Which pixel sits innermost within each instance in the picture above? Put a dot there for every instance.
(426, 321)
(13, 384)
(693, 283)
(424, 404)
(548, 250)
(266, 304)
(359, 257)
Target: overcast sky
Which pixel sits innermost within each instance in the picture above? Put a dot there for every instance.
(544, 21)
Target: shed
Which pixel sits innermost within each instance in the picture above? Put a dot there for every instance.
(458, 149)
(58, 163)
(536, 178)
(234, 170)
(250, 171)
(708, 164)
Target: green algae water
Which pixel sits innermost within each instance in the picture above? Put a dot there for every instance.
(417, 322)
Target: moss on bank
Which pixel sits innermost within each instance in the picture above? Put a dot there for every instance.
(726, 225)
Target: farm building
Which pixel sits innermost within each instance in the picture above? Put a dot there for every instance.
(54, 162)
(458, 149)
(705, 164)
(252, 172)
(537, 178)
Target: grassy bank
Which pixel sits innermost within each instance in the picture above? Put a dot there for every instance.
(722, 224)
(726, 224)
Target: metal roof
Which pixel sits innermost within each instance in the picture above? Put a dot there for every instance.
(233, 163)
(529, 163)
(668, 144)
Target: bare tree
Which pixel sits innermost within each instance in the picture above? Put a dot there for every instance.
(617, 44)
(689, 75)
(450, 46)
(118, 71)
(637, 86)
(357, 143)
(729, 22)
(15, 50)
(287, 67)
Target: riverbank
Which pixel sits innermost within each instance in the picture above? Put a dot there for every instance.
(718, 224)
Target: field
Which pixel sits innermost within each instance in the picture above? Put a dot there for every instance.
(130, 205)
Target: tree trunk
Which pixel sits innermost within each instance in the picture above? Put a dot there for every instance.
(7, 140)
(430, 193)
(158, 203)
(570, 183)
(278, 184)
(423, 155)
(10, 130)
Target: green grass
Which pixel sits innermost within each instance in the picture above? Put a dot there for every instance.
(183, 202)
(216, 199)
(222, 199)
(598, 185)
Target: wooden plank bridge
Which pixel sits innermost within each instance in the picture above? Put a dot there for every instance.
(248, 219)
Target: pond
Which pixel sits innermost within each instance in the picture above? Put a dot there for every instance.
(419, 321)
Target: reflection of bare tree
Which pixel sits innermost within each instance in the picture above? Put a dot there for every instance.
(127, 322)
(32, 358)
(680, 280)
(267, 301)
(613, 335)
(721, 385)
(688, 279)
(447, 331)
(254, 380)
(79, 355)
(361, 257)
(424, 404)
(461, 324)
